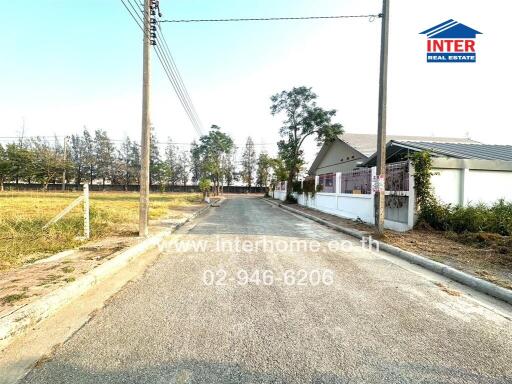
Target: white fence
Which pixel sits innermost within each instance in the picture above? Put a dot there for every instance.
(399, 210)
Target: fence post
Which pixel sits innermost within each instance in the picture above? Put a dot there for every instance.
(372, 191)
(411, 207)
(87, 232)
(338, 183)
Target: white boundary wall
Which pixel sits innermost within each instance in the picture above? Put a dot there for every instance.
(471, 186)
(358, 206)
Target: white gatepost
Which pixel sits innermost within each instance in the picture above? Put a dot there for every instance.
(338, 183)
(411, 207)
(373, 178)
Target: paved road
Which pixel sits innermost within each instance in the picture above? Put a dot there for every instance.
(377, 322)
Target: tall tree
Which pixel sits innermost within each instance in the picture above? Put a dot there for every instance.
(195, 162)
(135, 161)
(183, 167)
(48, 162)
(212, 152)
(229, 169)
(172, 163)
(303, 119)
(263, 171)
(127, 172)
(5, 167)
(105, 155)
(21, 161)
(77, 155)
(248, 162)
(156, 166)
(89, 156)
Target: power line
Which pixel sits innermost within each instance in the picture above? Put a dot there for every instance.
(371, 17)
(180, 79)
(175, 78)
(170, 70)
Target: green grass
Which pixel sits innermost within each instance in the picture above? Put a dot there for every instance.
(23, 215)
(9, 299)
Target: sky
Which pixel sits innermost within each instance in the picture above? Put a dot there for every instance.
(69, 64)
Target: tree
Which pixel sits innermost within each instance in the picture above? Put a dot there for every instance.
(89, 157)
(279, 171)
(263, 171)
(21, 161)
(195, 162)
(171, 164)
(105, 154)
(77, 155)
(204, 186)
(248, 162)
(303, 119)
(127, 160)
(156, 168)
(48, 163)
(212, 152)
(5, 167)
(229, 170)
(183, 167)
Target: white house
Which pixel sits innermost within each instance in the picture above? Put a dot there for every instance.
(466, 171)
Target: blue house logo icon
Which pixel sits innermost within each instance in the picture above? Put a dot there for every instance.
(451, 42)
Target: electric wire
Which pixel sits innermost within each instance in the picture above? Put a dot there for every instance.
(371, 17)
(171, 75)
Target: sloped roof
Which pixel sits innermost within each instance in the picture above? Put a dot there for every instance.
(465, 151)
(451, 29)
(468, 151)
(366, 144)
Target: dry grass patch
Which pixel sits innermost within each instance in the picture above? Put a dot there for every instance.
(23, 215)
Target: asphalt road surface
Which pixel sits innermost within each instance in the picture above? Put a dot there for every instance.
(263, 311)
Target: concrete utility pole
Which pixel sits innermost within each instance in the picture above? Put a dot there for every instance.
(381, 135)
(64, 169)
(146, 131)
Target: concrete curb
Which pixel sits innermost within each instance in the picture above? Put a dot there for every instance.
(434, 266)
(17, 322)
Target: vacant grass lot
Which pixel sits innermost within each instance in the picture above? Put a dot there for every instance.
(23, 215)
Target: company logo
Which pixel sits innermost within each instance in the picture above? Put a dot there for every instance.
(451, 42)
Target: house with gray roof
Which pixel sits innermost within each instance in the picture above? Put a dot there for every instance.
(352, 150)
(466, 171)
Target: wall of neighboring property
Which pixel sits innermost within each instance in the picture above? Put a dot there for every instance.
(487, 186)
(446, 185)
(340, 157)
(464, 186)
(399, 211)
(344, 205)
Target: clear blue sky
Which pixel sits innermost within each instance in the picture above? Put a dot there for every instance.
(66, 64)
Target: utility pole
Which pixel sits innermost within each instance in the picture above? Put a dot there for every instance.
(64, 167)
(380, 187)
(146, 131)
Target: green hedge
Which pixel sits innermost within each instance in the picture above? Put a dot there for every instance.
(496, 218)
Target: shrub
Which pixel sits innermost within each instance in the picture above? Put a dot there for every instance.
(470, 218)
(308, 185)
(291, 199)
(297, 187)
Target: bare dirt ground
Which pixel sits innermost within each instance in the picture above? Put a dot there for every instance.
(487, 256)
